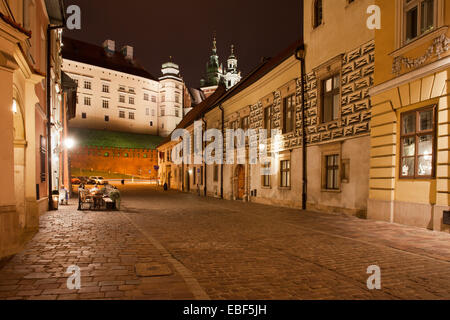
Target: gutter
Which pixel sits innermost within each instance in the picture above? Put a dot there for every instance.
(50, 28)
(300, 55)
(205, 187)
(223, 146)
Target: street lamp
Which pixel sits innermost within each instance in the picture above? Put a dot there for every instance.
(69, 143)
(14, 106)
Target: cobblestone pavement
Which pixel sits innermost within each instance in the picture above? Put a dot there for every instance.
(225, 250)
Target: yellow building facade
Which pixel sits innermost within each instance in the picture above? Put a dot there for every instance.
(410, 147)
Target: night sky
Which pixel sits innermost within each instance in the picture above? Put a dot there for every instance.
(184, 29)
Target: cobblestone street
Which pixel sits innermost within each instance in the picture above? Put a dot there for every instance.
(197, 248)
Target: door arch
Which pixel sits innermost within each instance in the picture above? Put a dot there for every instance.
(19, 160)
(239, 182)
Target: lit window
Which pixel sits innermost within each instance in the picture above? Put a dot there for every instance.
(331, 90)
(289, 114)
(417, 143)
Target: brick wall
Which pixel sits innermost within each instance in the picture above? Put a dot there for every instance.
(136, 162)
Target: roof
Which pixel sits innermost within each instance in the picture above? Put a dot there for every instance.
(114, 139)
(15, 25)
(221, 94)
(55, 10)
(97, 56)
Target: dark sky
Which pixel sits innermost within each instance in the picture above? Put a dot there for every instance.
(184, 29)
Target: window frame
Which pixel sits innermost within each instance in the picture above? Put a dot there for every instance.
(285, 171)
(292, 109)
(335, 169)
(266, 179)
(316, 22)
(417, 133)
(332, 93)
(268, 124)
(407, 7)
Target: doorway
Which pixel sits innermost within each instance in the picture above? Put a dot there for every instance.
(240, 182)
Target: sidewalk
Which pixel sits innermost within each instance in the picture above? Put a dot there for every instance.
(106, 247)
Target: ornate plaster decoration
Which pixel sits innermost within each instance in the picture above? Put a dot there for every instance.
(440, 45)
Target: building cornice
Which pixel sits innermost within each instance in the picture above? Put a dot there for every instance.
(411, 76)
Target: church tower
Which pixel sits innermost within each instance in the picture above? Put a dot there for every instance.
(214, 70)
(232, 76)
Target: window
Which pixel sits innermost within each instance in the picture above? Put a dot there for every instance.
(88, 85)
(131, 90)
(417, 143)
(216, 173)
(121, 88)
(331, 89)
(131, 116)
(177, 113)
(234, 124)
(147, 111)
(83, 115)
(105, 104)
(87, 101)
(318, 13)
(266, 175)
(177, 98)
(419, 17)
(146, 97)
(131, 100)
(42, 153)
(245, 123)
(122, 114)
(122, 99)
(153, 112)
(285, 173)
(105, 88)
(163, 98)
(289, 114)
(332, 172)
(151, 123)
(106, 118)
(163, 113)
(153, 98)
(268, 121)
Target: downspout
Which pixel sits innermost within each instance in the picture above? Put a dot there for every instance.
(182, 168)
(300, 55)
(49, 115)
(205, 186)
(223, 150)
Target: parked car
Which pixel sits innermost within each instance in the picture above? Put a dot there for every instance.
(75, 180)
(98, 180)
(84, 179)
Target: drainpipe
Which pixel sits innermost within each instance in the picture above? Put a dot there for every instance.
(182, 168)
(300, 55)
(49, 115)
(205, 187)
(223, 147)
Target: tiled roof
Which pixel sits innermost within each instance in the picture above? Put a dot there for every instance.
(96, 55)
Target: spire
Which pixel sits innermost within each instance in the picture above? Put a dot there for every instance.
(214, 49)
(232, 56)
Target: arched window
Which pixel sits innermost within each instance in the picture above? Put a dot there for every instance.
(318, 13)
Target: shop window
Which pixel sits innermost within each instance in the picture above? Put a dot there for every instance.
(417, 143)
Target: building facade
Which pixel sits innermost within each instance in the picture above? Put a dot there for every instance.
(29, 77)
(116, 93)
(337, 121)
(409, 176)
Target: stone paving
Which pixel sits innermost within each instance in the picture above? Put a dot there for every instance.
(225, 250)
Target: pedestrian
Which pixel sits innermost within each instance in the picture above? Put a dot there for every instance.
(122, 181)
(80, 188)
(165, 186)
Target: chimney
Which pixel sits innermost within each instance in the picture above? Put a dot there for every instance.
(109, 46)
(127, 51)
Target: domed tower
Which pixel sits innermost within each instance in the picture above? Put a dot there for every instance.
(232, 76)
(213, 67)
